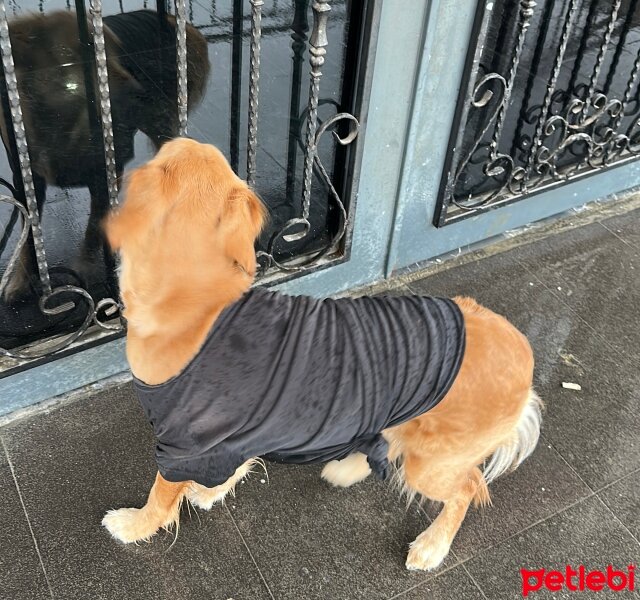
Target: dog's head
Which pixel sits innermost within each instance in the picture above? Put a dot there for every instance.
(185, 231)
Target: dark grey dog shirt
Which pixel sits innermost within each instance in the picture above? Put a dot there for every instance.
(299, 380)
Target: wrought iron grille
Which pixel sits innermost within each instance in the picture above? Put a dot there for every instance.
(550, 93)
(310, 231)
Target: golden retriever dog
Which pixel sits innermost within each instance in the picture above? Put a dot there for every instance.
(185, 234)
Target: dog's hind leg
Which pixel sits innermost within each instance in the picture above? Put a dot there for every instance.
(344, 473)
(204, 497)
(456, 491)
(162, 510)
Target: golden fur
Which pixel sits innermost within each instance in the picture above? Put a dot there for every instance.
(185, 235)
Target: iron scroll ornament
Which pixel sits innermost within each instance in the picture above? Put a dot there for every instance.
(107, 307)
(499, 165)
(587, 118)
(586, 127)
(298, 228)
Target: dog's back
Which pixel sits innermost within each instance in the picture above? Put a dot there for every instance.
(146, 48)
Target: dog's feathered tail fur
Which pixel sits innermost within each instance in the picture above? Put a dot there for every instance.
(510, 455)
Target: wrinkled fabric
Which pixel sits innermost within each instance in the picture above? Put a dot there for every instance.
(300, 380)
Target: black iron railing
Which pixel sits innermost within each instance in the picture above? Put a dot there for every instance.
(103, 315)
(550, 94)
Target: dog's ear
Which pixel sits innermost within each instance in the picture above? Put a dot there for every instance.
(243, 219)
(113, 231)
(129, 217)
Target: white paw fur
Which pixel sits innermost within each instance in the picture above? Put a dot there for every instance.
(129, 525)
(346, 472)
(205, 498)
(428, 551)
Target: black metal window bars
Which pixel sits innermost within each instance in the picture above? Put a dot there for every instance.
(103, 316)
(549, 94)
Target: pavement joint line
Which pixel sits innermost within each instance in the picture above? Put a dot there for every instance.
(617, 518)
(615, 233)
(474, 581)
(26, 516)
(253, 560)
(430, 576)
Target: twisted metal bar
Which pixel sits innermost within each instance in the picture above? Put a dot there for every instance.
(104, 103)
(600, 58)
(622, 42)
(236, 79)
(299, 29)
(633, 76)
(294, 224)
(18, 209)
(181, 51)
(254, 88)
(317, 44)
(23, 150)
(522, 142)
(551, 86)
(525, 14)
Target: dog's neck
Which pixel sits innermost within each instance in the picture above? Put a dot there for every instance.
(162, 338)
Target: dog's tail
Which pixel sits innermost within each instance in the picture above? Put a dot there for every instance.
(510, 455)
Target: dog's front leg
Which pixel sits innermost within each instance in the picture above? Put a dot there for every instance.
(161, 510)
(204, 497)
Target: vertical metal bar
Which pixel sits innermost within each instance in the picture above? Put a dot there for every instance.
(254, 88)
(190, 11)
(600, 58)
(317, 44)
(236, 82)
(622, 41)
(104, 104)
(299, 28)
(525, 14)
(88, 66)
(161, 9)
(470, 74)
(17, 191)
(577, 64)
(551, 85)
(181, 51)
(533, 73)
(23, 150)
(633, 77)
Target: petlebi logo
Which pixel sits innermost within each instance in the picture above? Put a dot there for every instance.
(578, 579)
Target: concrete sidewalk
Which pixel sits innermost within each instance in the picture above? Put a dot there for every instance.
(291, 536)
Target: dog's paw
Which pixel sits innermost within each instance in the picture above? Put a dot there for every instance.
(129, 525)
(427, 552)
(346, 472)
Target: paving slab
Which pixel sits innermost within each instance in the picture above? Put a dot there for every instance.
(79, 461)
(582, 535)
